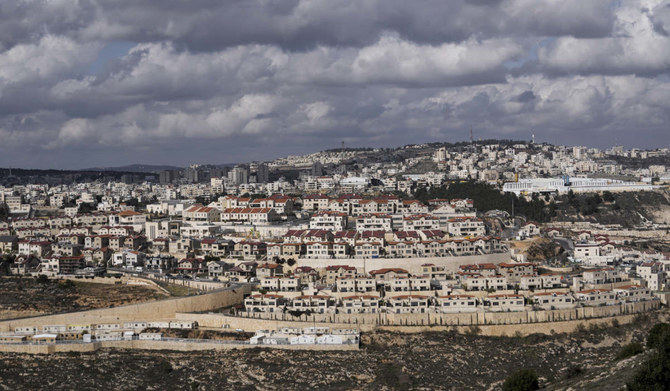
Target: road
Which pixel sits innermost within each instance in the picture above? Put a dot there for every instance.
(567, 244)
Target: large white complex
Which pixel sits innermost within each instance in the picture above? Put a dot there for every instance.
(577, 185)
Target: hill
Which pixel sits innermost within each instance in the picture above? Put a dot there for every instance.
(136, 168)
(386, 361)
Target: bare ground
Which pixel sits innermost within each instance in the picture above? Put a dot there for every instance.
(386, 361)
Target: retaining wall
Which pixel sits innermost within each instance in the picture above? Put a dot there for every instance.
(159, 345)
(368, 322)
(412, 265)
(154, 310)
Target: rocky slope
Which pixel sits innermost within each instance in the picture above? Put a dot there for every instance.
(386, 361)
(28, 297)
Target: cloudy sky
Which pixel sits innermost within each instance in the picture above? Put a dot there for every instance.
(111, 82)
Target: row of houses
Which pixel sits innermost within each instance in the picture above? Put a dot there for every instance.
(92, 328)
(452, 303)
(306, 336)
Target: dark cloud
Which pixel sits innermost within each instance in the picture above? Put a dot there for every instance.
(205, 25)
(254, 79)
(525, 96)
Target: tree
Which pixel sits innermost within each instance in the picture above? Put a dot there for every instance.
(4, 211)
(630, 350)
(42, 279)
(658, 335)
(487, 197)
(654, 373)
(209, 258)
(522, 380)
(85, 208)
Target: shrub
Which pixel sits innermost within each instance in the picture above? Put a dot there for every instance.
(165, 366)
(42, 279)
(573, 371)
(641, 318)
(630, 350)
(65, 284)
(654, 373)
(522, 380)
(659, 335)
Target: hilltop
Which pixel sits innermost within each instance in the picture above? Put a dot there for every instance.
(135, 168)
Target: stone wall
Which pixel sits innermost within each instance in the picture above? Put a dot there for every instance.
(523, 329)
(158, 345)
(97, 280)
(201, 285)
(412, 265)
(368, 322)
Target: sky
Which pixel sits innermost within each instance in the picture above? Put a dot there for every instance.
(112, 82)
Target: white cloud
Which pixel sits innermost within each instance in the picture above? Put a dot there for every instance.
(289, 74)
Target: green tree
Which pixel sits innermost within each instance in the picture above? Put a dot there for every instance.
(654, 373)
(4, 211)
(659, 335)
(487, 197)
(522, 380)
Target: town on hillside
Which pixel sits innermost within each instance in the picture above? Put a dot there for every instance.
(382, 236)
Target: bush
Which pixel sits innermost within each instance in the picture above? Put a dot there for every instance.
(659, 335)
(165, 366)
(630, 350)
(522, 380)
(43, 279)
(573, 371)
(654, 373)
(65, 284)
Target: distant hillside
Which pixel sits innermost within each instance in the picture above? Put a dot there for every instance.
(134, 168)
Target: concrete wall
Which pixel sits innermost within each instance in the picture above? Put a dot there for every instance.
(97, 280)
(155, 310)
(368, 322)
(201, 285)
(46, 349)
